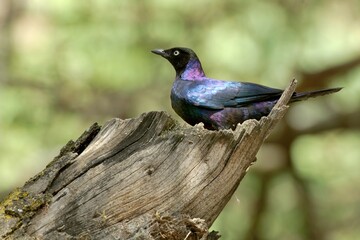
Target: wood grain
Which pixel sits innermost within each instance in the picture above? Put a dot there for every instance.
(142, 178)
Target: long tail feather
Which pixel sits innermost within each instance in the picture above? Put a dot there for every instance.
(305, 95)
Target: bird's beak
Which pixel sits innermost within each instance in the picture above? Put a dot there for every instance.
(160, 52)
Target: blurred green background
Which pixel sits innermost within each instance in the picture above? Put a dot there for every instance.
(66, 64)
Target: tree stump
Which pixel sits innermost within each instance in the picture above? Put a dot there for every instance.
(143, 178)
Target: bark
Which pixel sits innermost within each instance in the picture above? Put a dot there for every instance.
(143, 178)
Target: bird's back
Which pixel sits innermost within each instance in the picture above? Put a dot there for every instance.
(205, 101)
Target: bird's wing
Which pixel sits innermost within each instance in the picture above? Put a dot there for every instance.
(215, 94)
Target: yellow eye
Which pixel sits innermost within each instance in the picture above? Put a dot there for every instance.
(176, 52)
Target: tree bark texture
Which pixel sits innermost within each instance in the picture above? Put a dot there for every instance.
(143, 178)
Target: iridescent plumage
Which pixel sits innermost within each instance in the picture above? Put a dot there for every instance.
(216, 103)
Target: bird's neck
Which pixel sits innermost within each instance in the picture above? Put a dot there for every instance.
(192, 71)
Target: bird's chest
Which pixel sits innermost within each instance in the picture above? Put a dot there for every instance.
(178, 100)
(180, 103)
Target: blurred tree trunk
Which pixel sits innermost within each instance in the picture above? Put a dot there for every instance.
(143, 178)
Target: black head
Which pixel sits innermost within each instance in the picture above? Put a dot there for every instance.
(179, 57)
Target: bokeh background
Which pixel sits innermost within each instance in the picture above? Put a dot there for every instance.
(65, 64)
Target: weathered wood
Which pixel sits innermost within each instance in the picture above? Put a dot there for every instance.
(143, 178)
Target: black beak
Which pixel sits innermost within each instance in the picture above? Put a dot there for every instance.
(160, 52)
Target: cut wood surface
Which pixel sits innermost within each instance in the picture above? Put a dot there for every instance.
(143, 178)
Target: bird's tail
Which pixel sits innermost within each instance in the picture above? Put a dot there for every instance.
(300, 96)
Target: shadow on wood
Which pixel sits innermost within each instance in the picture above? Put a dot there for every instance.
(143, 178)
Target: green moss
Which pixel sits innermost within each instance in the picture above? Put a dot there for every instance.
(22, 204)
(13, 196)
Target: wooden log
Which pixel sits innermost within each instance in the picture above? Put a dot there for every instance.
(143, 178)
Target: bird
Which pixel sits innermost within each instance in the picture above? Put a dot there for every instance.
(220, 104)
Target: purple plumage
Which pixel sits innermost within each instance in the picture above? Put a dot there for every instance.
(216, 103)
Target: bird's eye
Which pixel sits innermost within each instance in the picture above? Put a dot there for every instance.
(176, 52)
